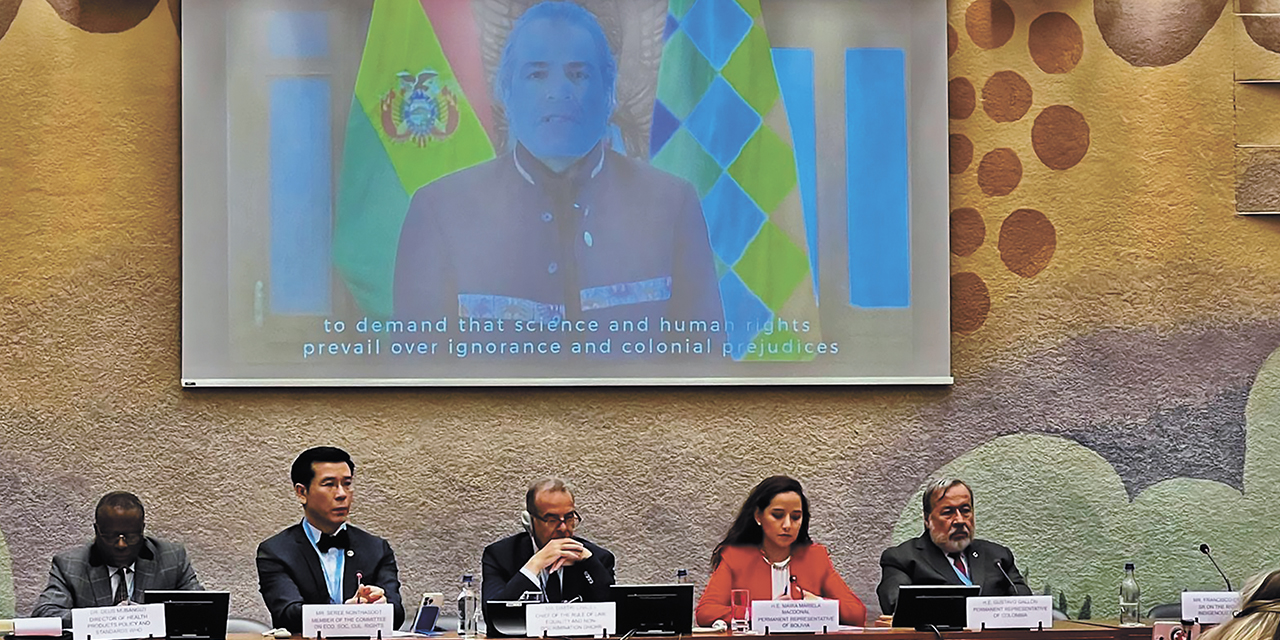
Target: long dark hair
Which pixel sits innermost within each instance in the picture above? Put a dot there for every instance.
(746, 532)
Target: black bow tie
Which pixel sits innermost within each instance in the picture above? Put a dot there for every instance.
(328, 542)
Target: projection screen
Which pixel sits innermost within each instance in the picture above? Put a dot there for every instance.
(600, 192)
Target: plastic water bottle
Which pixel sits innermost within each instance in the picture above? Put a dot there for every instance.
(1130, 599)
(468, 613)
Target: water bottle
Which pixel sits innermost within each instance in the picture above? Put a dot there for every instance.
(1130, 599)
(468, 613)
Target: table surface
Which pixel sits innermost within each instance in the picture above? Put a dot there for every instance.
(1061, 630)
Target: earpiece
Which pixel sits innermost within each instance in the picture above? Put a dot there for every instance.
(526, 522)
(719, 625)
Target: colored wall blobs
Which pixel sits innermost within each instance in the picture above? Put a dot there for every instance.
(961, 98)
(1056, 42)
(989, 23)
(970, 302)
(1027, 242)
(961, 153)
(1060, 137)
(967, 231)
(1006, 96)
(999, 172)
(1155, 34)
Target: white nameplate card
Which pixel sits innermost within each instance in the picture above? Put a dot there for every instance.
(1012, 612)
(782, 616)
(36, 626)
(1209, 607)
(347, 620)
(571, 619)
(118, 623)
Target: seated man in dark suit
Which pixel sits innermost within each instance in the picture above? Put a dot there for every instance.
(119, 566)
(316, 560)
(947, 553)
(546, 558)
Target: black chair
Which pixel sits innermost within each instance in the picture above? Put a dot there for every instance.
(245, 625)
(1166, 612)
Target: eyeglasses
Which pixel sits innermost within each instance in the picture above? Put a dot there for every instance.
(114, 538)
(571, 519)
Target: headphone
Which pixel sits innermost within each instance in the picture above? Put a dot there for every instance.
(526, 522)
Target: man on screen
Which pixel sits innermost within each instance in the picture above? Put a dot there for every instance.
(547, 558)
(118, 567)
(323, 559)
(947, 553)
(561, 226)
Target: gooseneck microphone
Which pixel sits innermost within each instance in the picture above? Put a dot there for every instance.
(1000, 566)
(1204, 548)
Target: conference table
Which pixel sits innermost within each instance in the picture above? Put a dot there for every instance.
(1061, 630)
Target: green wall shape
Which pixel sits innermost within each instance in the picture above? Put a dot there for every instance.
(1065, 513)
(7, 606)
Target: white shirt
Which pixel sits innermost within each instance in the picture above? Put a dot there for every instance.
(541, 577)
(331, 562)
(115, 579)
(781, 577)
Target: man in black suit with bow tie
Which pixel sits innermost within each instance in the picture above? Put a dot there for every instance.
(317, 560)
(947, 553)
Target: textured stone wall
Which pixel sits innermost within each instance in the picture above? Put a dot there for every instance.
(1111, 317)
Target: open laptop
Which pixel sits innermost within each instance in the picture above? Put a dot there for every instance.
(925, 606)
(654, 609)
(193, 615)
(507, 616)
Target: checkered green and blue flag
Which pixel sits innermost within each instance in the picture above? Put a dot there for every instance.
(719, 122)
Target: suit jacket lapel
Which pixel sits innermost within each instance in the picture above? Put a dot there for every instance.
(354, 553)
(145, 569)
(100, 579)
(938, 560)
(312, 561)
(977, 565)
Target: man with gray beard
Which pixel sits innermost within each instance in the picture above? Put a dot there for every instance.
(947, 553)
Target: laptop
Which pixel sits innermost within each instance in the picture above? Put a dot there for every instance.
(507, 616)
(926, 606)
(654, 609)
(193, 615)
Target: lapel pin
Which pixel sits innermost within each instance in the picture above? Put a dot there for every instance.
(974, 553)
(350, 553)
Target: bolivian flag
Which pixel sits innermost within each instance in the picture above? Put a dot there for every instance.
(410, 124)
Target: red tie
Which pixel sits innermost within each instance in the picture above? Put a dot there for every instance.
(959, 565)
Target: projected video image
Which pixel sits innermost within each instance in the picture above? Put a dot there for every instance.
(461, 191)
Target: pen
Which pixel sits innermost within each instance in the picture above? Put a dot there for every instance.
(359, 587)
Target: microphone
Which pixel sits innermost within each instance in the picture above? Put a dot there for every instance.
(1000, 566)
(1204, 548)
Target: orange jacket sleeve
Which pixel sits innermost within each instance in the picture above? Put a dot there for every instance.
(852, 611)
(715, 601)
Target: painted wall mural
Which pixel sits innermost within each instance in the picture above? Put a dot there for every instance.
(1115, 333)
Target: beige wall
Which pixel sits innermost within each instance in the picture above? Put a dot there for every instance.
(1104, 354)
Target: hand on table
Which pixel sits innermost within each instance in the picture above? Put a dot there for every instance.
(883, 621)
(367, 594)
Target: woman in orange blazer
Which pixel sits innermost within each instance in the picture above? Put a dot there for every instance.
(768, 552)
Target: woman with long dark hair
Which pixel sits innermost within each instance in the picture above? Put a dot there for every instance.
(768, 551)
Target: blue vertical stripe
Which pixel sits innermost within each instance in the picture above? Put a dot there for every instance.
(301, 195)
(298, 34)
(876, 130)
(795, 77)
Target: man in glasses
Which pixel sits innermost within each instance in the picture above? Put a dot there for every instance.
(546, 559)
(118, 567)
